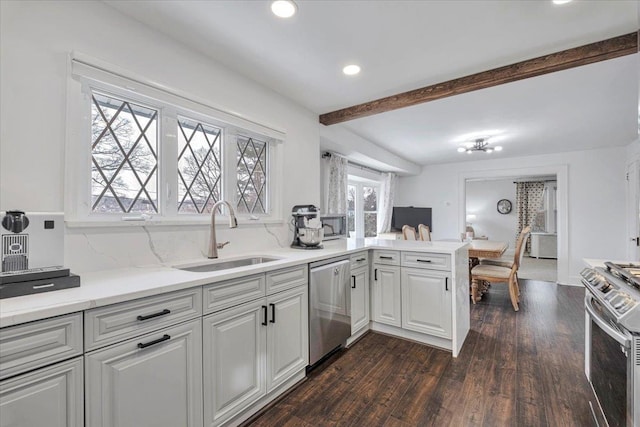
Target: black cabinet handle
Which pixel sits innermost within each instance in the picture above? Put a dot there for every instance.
(264, 315)
(273, 313)
(158, 314)
(423, 260)
(361, 259)
(354, 282)
(386, 257)
(375, 274)
(165, 337)
(446, 283)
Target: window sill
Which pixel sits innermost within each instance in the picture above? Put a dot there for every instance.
(220, 221)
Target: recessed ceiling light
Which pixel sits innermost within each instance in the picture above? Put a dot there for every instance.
(284, 8)
(497, 148)
(561, 1)
(351, 70)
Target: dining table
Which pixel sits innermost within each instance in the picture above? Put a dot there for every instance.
(483, 249)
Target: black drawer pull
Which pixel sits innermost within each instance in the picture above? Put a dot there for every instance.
(386, 257)
(354, 282)
(423, 260)
(361, 259)
(375, 274)
(165, 337)
(158, 314)
(273, 313)
(264, 314)
(446, 283)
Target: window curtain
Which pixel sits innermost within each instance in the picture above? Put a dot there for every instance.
(385, 202)
(336, 184)
(528, 202)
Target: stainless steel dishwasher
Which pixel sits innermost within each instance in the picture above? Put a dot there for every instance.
(329, 307)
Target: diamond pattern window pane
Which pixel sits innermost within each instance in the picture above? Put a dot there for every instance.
(252, 176)
(199, 166)
(124, 160)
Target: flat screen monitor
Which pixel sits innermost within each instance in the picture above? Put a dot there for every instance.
(409, 215)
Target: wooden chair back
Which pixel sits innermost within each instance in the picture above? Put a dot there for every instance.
(409, 233)
(520, 245)
(424, 232)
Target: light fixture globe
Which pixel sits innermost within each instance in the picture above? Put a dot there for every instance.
(284, 8)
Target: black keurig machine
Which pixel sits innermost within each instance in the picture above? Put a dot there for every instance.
(304, 237)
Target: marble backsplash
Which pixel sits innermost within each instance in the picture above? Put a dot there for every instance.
(96, 249)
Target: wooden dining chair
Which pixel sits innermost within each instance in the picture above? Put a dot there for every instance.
(508, 261)
(500, 273)
(409, 233)
(424, 232)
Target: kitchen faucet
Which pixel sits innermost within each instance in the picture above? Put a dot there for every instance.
(233, 223)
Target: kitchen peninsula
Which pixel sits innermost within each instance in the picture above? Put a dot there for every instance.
(191, 320)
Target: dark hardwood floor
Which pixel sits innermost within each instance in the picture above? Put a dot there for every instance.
(521, 368)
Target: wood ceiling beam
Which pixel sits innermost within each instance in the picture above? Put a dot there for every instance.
(588, 54)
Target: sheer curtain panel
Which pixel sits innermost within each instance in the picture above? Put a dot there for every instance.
(337, 185)
(385, 202)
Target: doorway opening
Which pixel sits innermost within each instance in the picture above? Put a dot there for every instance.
(498, 209)
(492, 205)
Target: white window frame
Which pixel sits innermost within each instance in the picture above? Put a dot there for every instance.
(87, 74)
(360, 178)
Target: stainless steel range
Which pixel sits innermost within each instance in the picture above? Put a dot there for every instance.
(612, 358)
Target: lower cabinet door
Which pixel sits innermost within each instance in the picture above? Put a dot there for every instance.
(234, 360)
(47, 397)
(426, 301)
(386, 295)
(359, 299)
(151, 381)
(287, 335)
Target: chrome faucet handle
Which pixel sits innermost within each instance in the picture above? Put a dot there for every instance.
(222, 245)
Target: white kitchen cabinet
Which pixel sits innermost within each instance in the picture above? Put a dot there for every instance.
(426, 301)
(287, 335)
(47, 397)
(234, 343)
(386, 302)
(252, 349)
(359, 299)
(154, 380)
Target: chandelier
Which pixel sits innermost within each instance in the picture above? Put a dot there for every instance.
(480, 144)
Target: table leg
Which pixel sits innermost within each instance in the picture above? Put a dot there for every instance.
(473, 284)
(474, 291)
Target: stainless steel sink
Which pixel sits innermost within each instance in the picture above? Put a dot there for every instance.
(225, 265)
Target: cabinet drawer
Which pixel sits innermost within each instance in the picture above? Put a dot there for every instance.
(426, 260)
(114, 323)
(361, 259)
(232, 292)
(287, 278)
(32, 345)
(386, 257)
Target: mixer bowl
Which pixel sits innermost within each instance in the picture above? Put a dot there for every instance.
(311, 236)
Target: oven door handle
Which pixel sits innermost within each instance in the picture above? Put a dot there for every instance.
(623, 340)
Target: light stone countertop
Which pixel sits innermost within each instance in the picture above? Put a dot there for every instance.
(113, 286)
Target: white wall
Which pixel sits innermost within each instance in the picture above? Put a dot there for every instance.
(596, 199)
(35, 40)
(482, 198)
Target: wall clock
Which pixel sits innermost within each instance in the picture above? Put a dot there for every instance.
(504, 206)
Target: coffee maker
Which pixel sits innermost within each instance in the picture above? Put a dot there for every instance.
(32, 254)
(303, 236)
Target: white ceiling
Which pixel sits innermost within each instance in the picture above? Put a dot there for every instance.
(403, 45)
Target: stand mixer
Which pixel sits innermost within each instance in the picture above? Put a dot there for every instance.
(308, 231)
